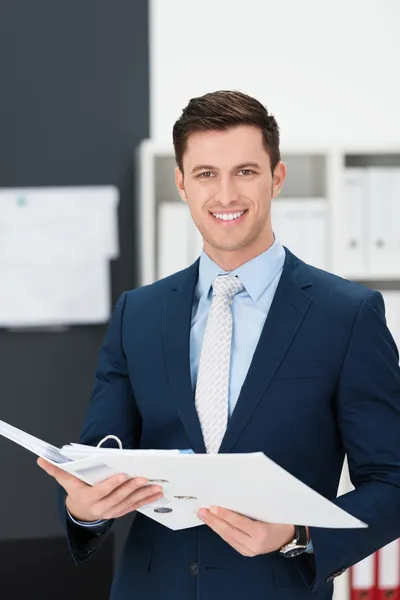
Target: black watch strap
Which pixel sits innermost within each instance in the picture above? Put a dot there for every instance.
(301, 535)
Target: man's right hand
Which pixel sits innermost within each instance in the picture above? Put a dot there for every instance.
(110, 499)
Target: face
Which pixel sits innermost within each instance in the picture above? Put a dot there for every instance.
(228, 186)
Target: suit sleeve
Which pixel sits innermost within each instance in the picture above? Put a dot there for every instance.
(368, 415)
(112, 410)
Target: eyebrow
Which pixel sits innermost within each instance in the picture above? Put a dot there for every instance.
(236, 168)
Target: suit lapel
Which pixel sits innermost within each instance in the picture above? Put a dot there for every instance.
(176, 323)
(288, 309)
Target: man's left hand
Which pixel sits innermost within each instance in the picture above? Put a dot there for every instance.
(245, 535)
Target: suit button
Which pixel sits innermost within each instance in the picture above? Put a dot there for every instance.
(194, 568)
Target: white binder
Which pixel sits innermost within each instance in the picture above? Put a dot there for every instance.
(389, 568)
(250, 484)
(179, 241)
(301, 225)
(383, 224)
(353, 224)
(363, 576)
(392, 310)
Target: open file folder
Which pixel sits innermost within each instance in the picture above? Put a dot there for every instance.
(250, 484)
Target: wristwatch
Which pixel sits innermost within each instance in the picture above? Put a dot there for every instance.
(298, 545)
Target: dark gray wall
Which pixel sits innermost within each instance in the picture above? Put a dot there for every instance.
(74, 103)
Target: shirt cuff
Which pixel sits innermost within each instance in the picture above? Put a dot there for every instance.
(85, 523)
(310, 549)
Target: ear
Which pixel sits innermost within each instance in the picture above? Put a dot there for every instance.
(278, 179)
(179, 184)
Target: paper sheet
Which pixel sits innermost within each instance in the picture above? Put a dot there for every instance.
(43, 224)
(55, 248)
(72, 293)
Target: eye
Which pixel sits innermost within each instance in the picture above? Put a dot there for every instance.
(246, 172)
(206, 175)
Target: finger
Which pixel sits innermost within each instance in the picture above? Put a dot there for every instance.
(122, 499)
(235, 519)
(108, 486)
(122, 492)
(223, 528)
(66, 480)
(240, 547)
(132, 507)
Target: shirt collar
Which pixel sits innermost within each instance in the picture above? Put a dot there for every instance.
(256, 274)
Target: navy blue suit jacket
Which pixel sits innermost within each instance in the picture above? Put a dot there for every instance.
(324, 382)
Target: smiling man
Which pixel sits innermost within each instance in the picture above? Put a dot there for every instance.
(248, 349)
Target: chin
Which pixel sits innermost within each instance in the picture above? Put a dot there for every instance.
(225, 246)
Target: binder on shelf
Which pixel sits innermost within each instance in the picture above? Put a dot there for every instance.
(179, 241)
(353, 234)
(382, 252)
(362, 579)
(396, 178)
(392, 312)
(388, 572)
(301, 225)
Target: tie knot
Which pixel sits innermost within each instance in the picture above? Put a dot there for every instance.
(227, 286)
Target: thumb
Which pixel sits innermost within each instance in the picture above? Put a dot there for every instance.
(66, 480)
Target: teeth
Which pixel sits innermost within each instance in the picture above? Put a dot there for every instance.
(230, 217)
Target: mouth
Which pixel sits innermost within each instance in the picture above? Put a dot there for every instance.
(228, 219)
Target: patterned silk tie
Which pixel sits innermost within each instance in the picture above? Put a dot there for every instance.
(213, 377)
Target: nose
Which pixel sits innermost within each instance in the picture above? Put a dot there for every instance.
(227, 192)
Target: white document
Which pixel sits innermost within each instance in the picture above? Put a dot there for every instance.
(179, 241)
(383, 226)
(301, 224)
(39, 224)
(352, 238)
(55, 294)
(250, 484)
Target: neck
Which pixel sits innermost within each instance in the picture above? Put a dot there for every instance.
(229, 260)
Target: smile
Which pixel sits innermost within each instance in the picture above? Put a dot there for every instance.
(229, 217)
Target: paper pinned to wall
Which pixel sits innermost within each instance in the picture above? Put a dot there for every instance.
(49, 223)
(55, 248)
(54, 294)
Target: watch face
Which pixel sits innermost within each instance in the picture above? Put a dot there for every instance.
(294, 551)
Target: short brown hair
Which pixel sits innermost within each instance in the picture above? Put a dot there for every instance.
(221, 110)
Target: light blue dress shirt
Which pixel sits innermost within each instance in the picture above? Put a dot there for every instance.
(260, 277)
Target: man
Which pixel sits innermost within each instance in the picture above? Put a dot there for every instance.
(249, 349)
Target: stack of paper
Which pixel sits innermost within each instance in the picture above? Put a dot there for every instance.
(80, 451)
(69, 452)
(35, 445)
(250, 484)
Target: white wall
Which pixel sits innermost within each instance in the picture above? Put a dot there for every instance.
(328, 71)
